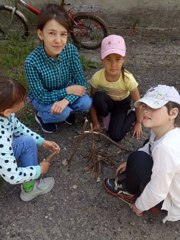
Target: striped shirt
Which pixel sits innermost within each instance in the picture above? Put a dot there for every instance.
(48, 78)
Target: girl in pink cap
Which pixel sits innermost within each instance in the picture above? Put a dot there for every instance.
(112, 89)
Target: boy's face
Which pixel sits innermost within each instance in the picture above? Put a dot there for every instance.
(158, 118)
(54, 37)
(113, 64)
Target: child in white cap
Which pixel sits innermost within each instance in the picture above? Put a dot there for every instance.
(152, 174)
(112, 89)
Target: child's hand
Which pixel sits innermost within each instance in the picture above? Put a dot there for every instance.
(136, 210)
(76, 90)
(44, 167)
(51, 146)
(96, 126)
(58, 107)
(137, 130)
(121, 168)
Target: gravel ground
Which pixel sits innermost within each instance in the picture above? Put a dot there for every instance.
(78, 208)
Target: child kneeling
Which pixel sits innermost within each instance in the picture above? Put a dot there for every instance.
(152, 174)
(18, 145)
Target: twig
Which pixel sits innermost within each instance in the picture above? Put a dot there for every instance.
(103, 135)
(50, 157)
(78, 142)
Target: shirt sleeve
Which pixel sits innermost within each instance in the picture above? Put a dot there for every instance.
(20, 129)
(162, 174)
(130, 81)
(9, 169)
(78, 77)
(95, 80)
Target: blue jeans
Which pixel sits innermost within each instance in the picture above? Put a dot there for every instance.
(25, 151)
(82, 104)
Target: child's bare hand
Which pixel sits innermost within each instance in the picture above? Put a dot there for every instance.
(137, 130)
(96, 126)
(44, 167)
(58, 107)
(121, 168)
(76, 90)
(51, 146)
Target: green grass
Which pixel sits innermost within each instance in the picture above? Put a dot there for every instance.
(13, 53)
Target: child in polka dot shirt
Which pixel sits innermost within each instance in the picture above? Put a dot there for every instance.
(18, 145)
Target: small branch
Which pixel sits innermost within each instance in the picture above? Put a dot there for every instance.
(78, 142)
(103, 135)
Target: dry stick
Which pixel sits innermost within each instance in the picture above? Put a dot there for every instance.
(94, 152)
(128, 203)
(103, 135)
(78, 142)
(83, 133)
(50, 157)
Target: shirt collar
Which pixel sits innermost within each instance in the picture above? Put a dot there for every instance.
(46, 57)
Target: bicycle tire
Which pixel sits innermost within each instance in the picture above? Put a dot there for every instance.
(17, 27)
(88, 30)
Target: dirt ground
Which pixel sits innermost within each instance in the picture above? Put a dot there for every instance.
(78, 208)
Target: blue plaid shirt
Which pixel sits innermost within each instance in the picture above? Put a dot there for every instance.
(48, 78)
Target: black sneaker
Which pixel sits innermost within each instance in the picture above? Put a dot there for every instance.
(46, 127)
(118, 189)
(71, 119)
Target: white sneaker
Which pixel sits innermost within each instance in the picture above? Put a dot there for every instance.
(41, 186)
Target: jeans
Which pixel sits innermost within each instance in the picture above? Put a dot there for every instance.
(121, 121)
(82, 104)
(25, 151)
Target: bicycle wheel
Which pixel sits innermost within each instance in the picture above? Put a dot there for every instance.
(12, 26)
(88, 30)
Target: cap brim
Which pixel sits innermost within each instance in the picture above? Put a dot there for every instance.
(151, 102)
(111, 51)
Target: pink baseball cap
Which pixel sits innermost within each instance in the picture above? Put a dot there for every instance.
(157, 97)
(113, 44)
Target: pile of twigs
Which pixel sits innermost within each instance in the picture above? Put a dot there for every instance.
(96, 156)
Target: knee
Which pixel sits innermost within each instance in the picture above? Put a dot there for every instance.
(115, 135)
(98, 98)
(85, 103)
(138, 159)
(28, 140)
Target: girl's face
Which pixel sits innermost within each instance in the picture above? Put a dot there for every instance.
(113, 64)
(54, 37)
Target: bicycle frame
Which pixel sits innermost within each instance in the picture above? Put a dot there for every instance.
(87, 29)
(27, 5)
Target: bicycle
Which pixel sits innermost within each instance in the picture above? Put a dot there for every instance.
(87, 29)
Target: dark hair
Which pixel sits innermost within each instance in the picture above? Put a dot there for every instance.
(53, 11)
(11, 93)
(171, 105)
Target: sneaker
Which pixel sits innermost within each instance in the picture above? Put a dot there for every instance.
(71, 119)
(46, 127)
(118, 189)
(41, 186)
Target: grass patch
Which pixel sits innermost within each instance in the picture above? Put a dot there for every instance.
(13, 53)
(88, 64)
(26, 115)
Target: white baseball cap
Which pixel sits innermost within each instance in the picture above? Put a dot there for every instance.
(157, 97)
